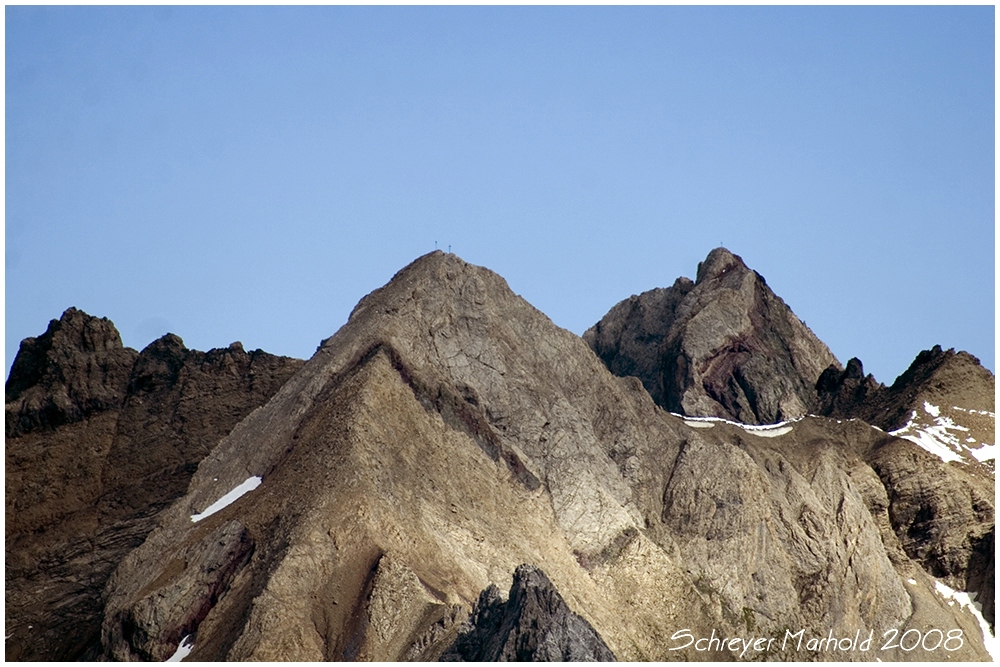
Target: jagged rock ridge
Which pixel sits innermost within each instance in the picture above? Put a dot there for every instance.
(448, 433)
(943, 514)
(941, 377)
(532, 625)
(723, 346)
(99, 440)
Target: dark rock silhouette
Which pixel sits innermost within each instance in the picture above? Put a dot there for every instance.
(103, 439)
(76, 369)
(532, 625)
(840, 392)
(936, 375)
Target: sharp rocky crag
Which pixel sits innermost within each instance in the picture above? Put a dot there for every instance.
(697, 465)
(723, 346)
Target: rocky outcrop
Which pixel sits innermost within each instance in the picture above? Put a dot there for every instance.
(100, 448)
(179, 403)
(727, 341)
(841, 392)
(426, 450)
(943, 515)
(532, 625)
(76, 369)
(723, 346)
(944, 378)
(449, 433)
(629, 339)
(981, 575)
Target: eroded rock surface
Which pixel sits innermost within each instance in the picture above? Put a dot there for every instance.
(103, 439)
(449, 433)
(944, 378)
(426, 450)
(944, 515)
(532, 625)
(723, 346)
(76, 369)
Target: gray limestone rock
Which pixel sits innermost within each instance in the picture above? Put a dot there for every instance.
(453, 426)
(450, 432)
(532, 625)
(723, 346)
(943, 514)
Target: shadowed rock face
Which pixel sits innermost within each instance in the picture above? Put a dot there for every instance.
(449, 433)
(941, 377)
(76, 369)
(629, 339)
(533, 625)
(723, 346)
(840, 392)
(104, 438)
(943, 515)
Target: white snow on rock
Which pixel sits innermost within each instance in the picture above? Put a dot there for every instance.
(968, 600)
(763, 430)
(183, 649)
(984, 453)
(250, 484)
(944, 438)
(771, 432)
(974, 412)
(935, 439)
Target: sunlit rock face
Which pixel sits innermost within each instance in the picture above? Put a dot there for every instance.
(450, 443)
(944, 514)
(722, 346)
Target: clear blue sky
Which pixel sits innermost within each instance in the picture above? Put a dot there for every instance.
(250, 173)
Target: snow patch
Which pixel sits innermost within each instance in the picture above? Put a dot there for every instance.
(932, 410)
(763, 430)
(183, 649)
(250, 484)
(984, 453)
(976, 609)
(974, 412)
(912, 581)
(771, 432)
(935, 439)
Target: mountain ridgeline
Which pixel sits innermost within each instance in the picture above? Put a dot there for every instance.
(697, 467)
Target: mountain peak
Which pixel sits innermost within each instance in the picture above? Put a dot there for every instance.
(533, 625)
(723, 346)
(354, 506)
(76, 368)
(719, 262)
(424, 277)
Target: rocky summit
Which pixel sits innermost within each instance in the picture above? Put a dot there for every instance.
(724, 346)
(697, 478)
